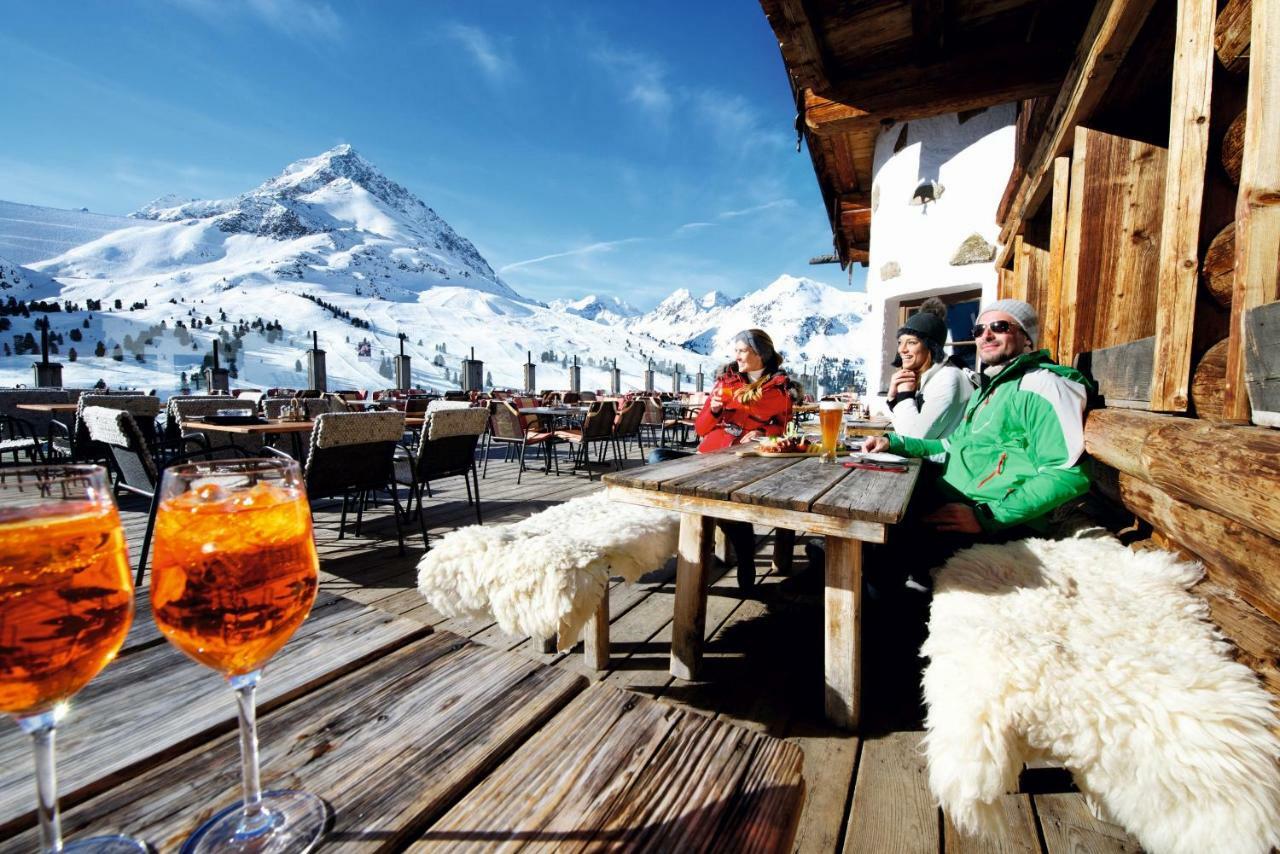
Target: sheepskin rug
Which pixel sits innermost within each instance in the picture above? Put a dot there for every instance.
(1086, 653)
(545, 575)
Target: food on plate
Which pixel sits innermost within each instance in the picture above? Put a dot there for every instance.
(787, 445)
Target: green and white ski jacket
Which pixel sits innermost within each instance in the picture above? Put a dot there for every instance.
(1016, 455)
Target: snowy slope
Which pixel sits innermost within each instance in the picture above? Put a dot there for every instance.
(30, 233)
(603, 309)
(25, 284)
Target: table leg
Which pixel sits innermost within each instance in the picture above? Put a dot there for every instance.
(843, 606)
(595, 640)
(784, 549)
(688, 625)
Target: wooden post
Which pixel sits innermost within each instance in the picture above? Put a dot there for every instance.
(403, 369)
(595, 641)
(530, 374)
(1183, 194)
(316, 375)
(843, 609)
(1257, 275)
(689, 623)
(575, 376)
(1051, 320)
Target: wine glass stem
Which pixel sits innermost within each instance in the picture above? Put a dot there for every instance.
(41, 728)
(252, 818)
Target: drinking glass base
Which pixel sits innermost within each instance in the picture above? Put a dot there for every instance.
(294, 822)
(105, 845)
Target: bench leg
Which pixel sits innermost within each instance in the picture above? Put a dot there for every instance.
(595, 641)
(688, 625)
(843, 607)
(549, 645)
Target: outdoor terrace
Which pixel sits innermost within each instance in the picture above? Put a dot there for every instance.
(865, 792)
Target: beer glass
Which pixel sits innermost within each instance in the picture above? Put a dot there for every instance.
(234, 575)
(66, 602)
(830, 418)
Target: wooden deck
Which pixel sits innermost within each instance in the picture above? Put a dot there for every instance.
(763, 661)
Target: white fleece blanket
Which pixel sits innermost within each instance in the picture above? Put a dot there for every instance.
(545, 575)
(1084, 652)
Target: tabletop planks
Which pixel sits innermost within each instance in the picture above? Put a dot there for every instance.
(794, 488)
(878, 496)
(145, 706)
(616, 770)
(389, 748)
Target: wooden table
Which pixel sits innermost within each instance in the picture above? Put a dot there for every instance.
(47, 407)
(848, 506)
(414, 739)
(867, 426)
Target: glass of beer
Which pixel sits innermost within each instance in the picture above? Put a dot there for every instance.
(66, 603)
(235, 574)
(830, 418)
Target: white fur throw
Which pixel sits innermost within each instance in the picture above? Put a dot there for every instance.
(546, 574)
(1084, 652)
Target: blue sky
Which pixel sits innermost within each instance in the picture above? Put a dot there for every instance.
(628, 148)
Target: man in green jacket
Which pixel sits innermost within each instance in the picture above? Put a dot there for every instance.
(1016, 455)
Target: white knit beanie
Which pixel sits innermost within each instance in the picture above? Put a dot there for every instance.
(1019, 311)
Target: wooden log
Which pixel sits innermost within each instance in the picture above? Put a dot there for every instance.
(1257, 279)
(1219, 268)
(1113, 238)
(1107, 37)
(1123, 373)
(690, 619)
(1234, 471)
(1256, 637)
(1262, 363)
(1235, 555)
(1183, 196)
(1232, 152)
(1231, 35)
(1208, 382)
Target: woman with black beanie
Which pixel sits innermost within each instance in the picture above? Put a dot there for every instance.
(929, 393)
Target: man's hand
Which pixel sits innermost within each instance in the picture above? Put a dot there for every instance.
(875, 445)
(903, 382)
(955, 517)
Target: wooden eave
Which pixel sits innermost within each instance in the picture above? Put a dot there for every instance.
(858, 65)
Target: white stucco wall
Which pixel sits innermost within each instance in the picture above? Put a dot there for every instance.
(972, 161)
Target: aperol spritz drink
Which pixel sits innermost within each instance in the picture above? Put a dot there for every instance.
(235, 574)
(66, 603)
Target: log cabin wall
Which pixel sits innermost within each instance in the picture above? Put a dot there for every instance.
(1141, 219)
(1156, 296)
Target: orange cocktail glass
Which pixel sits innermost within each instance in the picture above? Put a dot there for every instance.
(235, 574)
(66, 603)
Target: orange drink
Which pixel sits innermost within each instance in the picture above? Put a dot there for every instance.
(234, 572)
(66, 600)
(830, 418)
(234, 576)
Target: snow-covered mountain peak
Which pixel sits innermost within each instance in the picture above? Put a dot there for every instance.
(602, 309)
(715, 299)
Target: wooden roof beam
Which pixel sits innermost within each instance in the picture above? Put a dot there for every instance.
(798, 41)
(978, 79)
(1107, 38)
(928, 28)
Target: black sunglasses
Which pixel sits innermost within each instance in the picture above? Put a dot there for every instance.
(1000, 327)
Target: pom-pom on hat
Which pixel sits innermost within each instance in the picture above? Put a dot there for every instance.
(1019, 311)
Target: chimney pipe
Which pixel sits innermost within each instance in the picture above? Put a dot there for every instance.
(44, 341)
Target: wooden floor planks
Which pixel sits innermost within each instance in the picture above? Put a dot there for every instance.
(764, 652)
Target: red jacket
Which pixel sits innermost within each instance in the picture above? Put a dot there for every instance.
(770, 414)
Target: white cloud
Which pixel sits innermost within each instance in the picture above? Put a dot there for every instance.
(602, 246)
(295, 18)
(776, 203)
(643, 79)
(477, 43)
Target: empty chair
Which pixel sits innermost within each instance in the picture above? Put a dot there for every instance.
(73, 442)
(184, 414)
(586, 397)
(508, 428)
(597, 428)
(136, 470)
(447, 449)
(627, 427)
(352, 454)
(34, 423)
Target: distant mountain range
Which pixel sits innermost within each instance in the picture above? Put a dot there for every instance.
(331, 244)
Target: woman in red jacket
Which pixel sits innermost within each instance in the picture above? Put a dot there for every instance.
(750, 399)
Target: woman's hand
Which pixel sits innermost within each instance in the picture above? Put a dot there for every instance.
(903, 381)
(715, 403)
